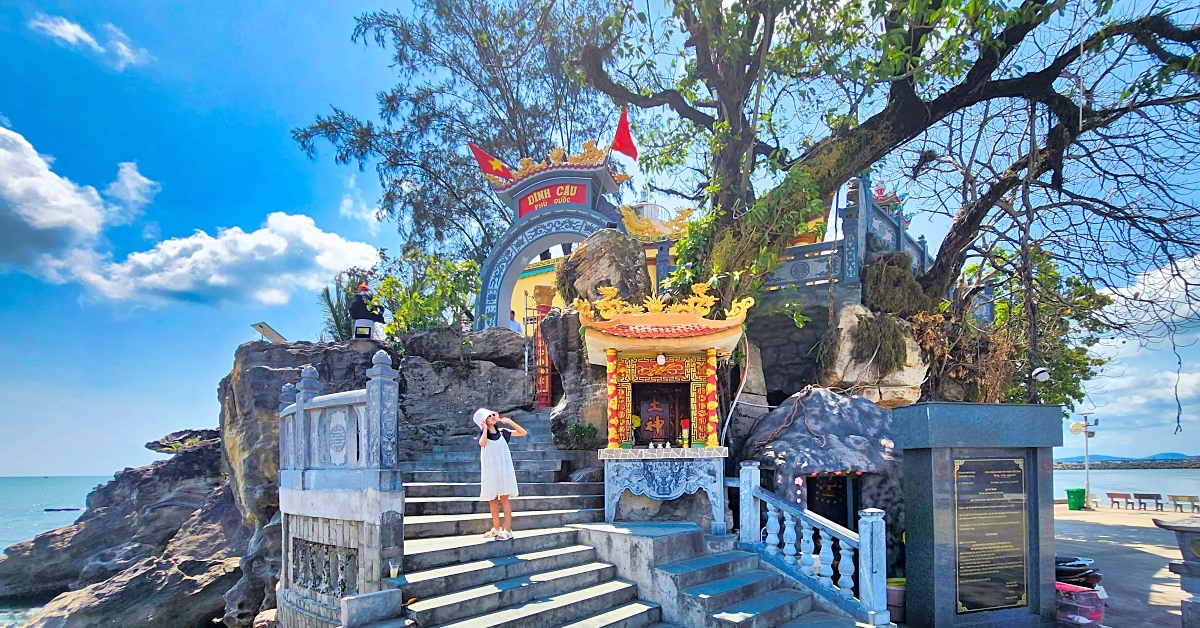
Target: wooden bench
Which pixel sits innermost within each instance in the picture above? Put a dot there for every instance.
(1144, 499)
(1180, 500)
(1120, 500)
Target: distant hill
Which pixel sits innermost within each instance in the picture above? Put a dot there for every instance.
(1170, 455)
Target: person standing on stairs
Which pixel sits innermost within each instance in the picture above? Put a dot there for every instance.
(497, 475)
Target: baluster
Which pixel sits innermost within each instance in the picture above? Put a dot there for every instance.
(789, 538)
(826, 558)
(806, 548)
(846, 569)
(772, 529)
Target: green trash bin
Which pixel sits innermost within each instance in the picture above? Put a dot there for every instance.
(1076, 498)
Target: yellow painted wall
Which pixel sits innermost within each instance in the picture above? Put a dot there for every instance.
(546, 276)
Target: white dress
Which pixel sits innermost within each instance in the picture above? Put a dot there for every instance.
(496, 473)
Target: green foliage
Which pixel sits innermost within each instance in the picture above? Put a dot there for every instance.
(423, 291)
(879, 340)
(1070, 324)
(889, 286)
(335, 305)
(490, 72)
(582, 436)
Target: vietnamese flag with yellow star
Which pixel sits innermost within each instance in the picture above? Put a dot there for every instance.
(490, 165)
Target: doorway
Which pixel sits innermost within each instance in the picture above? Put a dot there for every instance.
(660, 407)
(837, 498)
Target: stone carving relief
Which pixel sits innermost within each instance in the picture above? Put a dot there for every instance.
(325, 569)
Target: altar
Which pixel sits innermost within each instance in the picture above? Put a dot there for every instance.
(663, 424)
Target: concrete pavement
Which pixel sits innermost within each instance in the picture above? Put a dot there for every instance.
(1133, 555)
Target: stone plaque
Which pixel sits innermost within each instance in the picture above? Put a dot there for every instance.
(990, 533)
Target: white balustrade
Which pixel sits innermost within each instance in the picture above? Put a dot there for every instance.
(816, 567)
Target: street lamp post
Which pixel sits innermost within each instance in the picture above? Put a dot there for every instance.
(1087, 465)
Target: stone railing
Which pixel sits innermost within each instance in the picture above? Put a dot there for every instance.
(813, 561)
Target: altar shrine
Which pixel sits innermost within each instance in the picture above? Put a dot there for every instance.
(664, 432)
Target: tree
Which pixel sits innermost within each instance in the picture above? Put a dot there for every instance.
(1070, 319)
(846, 84)
(490, 72)
(424, 291)
(335, 305)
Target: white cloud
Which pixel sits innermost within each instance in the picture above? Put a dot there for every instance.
(118, 49)
(354, 207)
(64, 31)
(40, 212)
(5, 122)
(132, 191)
(123, 50)
(53, 228)
(1169, 292)
(288, 253)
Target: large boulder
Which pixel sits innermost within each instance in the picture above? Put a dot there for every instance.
(845, 371)
(182, 588)
(439, 398)
(498, 345)
(130, 519)
(585, 388)
(606, 258)
(820, 431)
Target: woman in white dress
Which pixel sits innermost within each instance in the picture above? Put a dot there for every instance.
(497, 476)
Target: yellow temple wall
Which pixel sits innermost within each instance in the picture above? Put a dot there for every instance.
(546, 275)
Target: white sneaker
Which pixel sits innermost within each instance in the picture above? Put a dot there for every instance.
(504, 535)
(491, 534)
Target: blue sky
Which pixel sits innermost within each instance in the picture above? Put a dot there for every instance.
(161, 207)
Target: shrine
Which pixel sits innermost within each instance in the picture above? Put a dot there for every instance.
(664, 437)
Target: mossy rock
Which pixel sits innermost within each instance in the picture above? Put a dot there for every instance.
(890, 287)
(880, 341)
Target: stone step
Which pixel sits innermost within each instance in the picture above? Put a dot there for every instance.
(632, 615)
(817, 619)
(525, 443)
(556, 610)
(702, 600)
(443, 465)
(425, 526)
(431, 553)
(473, 476)
(451, 578)
(472, 455)
(467, 505)
(764, 611)
(489, 598)
(694, 571)
(393, 623)
(461, 489)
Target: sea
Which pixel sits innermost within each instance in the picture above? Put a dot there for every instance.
(24, 500)
(23, 504)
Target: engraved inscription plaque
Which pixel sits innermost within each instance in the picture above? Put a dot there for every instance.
(990, 534)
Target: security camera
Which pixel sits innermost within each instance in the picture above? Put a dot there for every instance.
(1041, 374)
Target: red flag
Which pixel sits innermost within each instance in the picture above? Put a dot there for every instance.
(623, 141)
(490, 165)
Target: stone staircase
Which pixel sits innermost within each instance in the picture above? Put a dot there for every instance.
(545, 577)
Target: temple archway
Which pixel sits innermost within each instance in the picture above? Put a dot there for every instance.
(525, 240)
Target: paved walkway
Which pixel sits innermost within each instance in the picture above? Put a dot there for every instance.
(1133, 556)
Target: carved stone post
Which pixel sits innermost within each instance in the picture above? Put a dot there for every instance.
(751, 521)
(872, 564)
(383, 398)
(308, 388)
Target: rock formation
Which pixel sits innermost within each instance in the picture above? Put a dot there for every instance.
(130, 519)
(820, 431)
(181, 588)
(498, 345)
(862, 377)
(606, 258)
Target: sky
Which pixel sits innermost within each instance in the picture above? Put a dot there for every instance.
(153, 205)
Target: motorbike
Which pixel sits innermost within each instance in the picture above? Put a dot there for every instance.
(1076, 570)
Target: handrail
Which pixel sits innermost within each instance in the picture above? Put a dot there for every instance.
(860, 559)
(824, 524)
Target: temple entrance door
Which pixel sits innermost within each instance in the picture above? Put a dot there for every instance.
(660, 407)
(835, 497)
